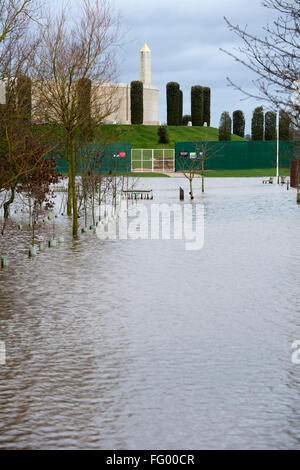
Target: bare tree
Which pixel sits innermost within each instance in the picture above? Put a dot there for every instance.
(15, 16)
(274, 58)
(192, 167)
(20, 151)
(36, 190)
(17, 20)
(71, 53)
(22, 159)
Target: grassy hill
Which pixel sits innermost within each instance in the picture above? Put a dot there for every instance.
(146, 136)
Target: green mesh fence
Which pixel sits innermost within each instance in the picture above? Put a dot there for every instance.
(115, 158)
(233, 155)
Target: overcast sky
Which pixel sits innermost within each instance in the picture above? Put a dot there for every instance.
(185, 39)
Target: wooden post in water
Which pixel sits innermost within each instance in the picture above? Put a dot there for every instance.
(181, 194)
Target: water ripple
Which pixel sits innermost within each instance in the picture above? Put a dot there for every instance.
(139, 344)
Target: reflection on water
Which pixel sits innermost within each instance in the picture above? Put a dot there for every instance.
(141, 344)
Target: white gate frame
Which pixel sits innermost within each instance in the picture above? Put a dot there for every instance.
(152, 169)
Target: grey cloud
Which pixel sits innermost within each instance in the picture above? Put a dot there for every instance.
(185, 40)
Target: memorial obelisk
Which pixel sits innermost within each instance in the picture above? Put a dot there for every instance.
(145, 66)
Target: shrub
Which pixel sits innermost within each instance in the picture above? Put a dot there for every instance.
(238, 123)
(257, 125)
(180, 108)
(206, 105)
(137, 102)
(163, 135)
(197, 105)
(270, 126)
(225, 126)
(186, 118)
(173, 103)
(284, 125)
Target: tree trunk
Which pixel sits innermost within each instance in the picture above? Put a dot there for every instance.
(85, 210)
(69, 160)
(93, 206)
(99, 198)
(74, 194)
(33, 226)
(69, 202)
(191, 188)
(6, 207)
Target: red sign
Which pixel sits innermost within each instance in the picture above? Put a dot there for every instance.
(122, 154)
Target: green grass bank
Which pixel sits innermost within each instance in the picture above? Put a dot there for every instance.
(146, 137)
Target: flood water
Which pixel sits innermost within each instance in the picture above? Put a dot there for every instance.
(140, 344)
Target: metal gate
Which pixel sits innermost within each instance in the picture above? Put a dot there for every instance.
(153, 160)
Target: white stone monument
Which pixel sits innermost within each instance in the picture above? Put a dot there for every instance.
(145, 66)
(151, 95)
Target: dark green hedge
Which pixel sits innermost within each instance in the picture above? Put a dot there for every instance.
(270, 125)
(284, 126)
(173, 104)
(257, 124)
(238, 123)
(197, 105)
(206, 105)
(225, 126)
(137, 102)
(180, 108)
